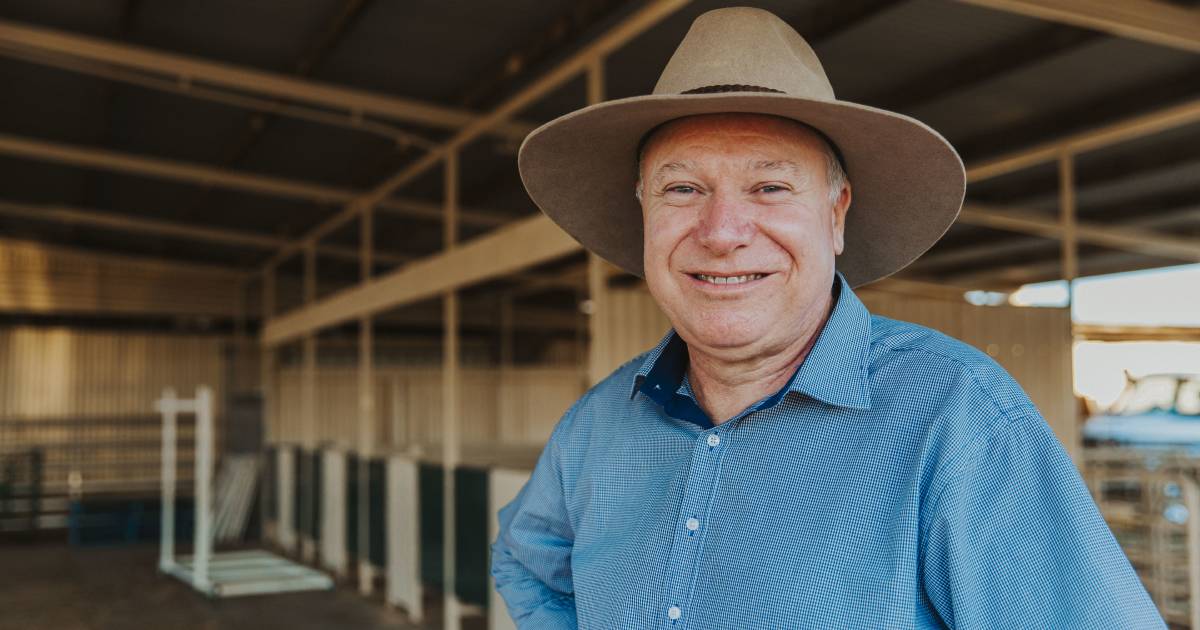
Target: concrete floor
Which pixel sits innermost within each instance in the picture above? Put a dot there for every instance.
(56, 586)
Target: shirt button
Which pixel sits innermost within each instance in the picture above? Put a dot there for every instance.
(674, 612)
(713, 439)
(693, 524)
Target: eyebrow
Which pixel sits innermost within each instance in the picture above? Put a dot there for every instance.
(674, 167)
(777, 165)
(685, 166)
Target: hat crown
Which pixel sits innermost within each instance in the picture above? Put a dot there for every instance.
(744, 49)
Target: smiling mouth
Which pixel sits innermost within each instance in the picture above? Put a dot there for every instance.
(727, 279)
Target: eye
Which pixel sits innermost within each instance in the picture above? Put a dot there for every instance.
(772, 188)
(681, 189)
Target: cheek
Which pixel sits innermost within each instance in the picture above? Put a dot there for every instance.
(803, 237)
(663, 233)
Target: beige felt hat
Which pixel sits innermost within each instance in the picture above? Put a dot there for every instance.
(908, 181)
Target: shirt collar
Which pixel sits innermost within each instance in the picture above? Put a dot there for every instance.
(835, 371)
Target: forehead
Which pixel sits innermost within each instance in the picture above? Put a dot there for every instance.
(740, 134)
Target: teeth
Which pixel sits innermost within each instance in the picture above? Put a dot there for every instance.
(729, 279)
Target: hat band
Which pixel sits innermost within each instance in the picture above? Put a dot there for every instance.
(733, 87)
(717, 89)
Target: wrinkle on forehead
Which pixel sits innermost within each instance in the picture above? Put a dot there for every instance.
(732, 126)
(788, 168)
(738, 129)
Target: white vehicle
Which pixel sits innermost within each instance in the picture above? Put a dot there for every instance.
(1158, 410)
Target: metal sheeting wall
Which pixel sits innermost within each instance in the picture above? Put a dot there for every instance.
(510, 406)
(1033, 344)
(87, 399)
(42, 279)
(633, 324)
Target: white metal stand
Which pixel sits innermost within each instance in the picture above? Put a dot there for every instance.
(223, 574)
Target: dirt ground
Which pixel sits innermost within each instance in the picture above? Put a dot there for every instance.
(65, 588)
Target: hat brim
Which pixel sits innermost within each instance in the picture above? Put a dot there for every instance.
(908, 182)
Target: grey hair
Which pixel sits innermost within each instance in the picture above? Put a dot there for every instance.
(835, 173)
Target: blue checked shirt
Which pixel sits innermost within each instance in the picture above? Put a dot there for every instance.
(901, 479)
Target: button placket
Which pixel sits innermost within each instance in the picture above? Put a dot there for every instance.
(698, 493)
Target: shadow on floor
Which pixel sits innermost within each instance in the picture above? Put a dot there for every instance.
(66, 588)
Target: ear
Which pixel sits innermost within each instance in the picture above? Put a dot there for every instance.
(840, 208)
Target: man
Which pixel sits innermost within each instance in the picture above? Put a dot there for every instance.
(783, 459)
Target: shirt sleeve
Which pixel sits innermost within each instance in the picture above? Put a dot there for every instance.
(1014, 540)
(531, 557)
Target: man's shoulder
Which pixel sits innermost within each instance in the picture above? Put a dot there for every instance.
(957, 398)
(612, 390)
(600, 401)
(618, 385)
(926, 355)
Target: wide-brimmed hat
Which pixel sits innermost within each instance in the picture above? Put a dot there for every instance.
(908, 182)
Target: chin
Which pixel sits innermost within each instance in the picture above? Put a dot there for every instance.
(723, 333)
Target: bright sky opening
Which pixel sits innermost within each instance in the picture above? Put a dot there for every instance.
(1168, 296)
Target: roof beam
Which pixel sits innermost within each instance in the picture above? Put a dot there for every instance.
(479, 315)
(263, 106)
(1121, 131)
(123, 223)
(1149, 21)
(500, 252)
(194, 70)
(1009, 277)
(905, 285)
(616, 37)
(536, 49)
(1126, 238)
(114, 161)
(830, 19)
(1104, 332)
(139, 225)
(987, 65)
(94, 218)
(930, 264)
(315, 51)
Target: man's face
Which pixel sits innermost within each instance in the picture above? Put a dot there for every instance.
(741, 230)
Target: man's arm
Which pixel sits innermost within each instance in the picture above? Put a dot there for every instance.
(531, 557)
(1014, 540)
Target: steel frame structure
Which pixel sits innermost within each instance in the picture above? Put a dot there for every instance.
(189, 71)
(535, 240)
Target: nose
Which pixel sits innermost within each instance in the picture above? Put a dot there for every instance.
(725, 225)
